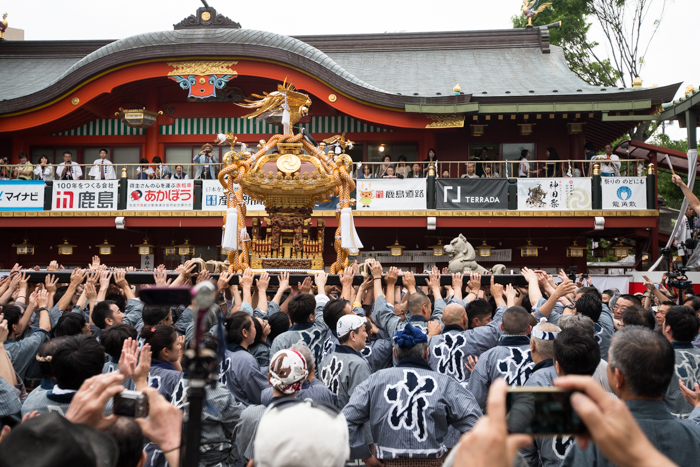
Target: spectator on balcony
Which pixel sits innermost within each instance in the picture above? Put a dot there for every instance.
(163, 172)
(145, 172)
(67, 170)
(44, 170)
(366, 172)
(445, 174)
(5, 170)
(415, 171)
(571, 170)
(102, 168)
(431, 158)
(553, 168)
(471, 171)
(180, 174)
(480, 157)
(608, 166)
(524, 170)
(25, 168)
(489, 172)
(402, 168)
(390, 173)
(382, 169)
(206, 171)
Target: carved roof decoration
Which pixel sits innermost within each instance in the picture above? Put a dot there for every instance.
(207, 17)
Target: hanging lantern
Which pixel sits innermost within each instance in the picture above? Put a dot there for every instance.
(66, 248)
(105, 248)
(24, 248)
(575, 251)
(575, 128)
(526, 129)
(138, 118)
(478, 130)
(171, 250)
(145, 248)
(438, 250)
(396, 249)
(185, 249)
(621, 250)
(529, 250)
(484, 250)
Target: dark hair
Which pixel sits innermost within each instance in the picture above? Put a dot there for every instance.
(70, 324)
(129, 437)
(589, 146)
(589, 305)
(591, 291)
(22, 155)
(101, 312)
(645, 358)
(402, 158)
(516, 320)
(333, 311)
(553, 154)
(632, 298)
(68, 152)
(369, 169)
(76, 359)
(301, 307)
(279, 323)
(154, 314)
(143, 160)
(103, 149)
(684, 323)
(258, 331)
(638, 316)
(118, 300)
(60, 292)
(113, 339)
(159, 337)
(210, 342)
(607, 292)
(427, 156)
(48, 349)
(694, 303)
(479, 308)
(12, 313)
(157, 160)
(576, 352)
(524, 153)
(235, 324)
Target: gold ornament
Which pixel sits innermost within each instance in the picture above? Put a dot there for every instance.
(206, 16)
(75, 101)
(289, 163)
(332, 98)
(202, 68)
(446, 121)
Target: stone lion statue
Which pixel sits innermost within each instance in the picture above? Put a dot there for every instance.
(463, 258)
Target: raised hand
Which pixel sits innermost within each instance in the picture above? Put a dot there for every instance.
(160, 277)
(223, 281)
(263, 282)
(305, 286)
(203, 276)
(284, 280)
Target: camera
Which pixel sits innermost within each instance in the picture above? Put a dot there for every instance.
(690, 244)
(131, 404)
(571, 273)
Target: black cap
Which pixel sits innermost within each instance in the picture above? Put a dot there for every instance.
(51, 440)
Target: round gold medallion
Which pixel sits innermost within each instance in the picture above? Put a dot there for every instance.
(332, 98)
(206, 16)
(288, 163)
(202, 80)
(75, 101)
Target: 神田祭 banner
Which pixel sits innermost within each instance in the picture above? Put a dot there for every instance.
(85, 195)
(472, 194)
(554, 194)
(160, 195)
(383, 194)
(624, 192)
(21, 195)
(213, 198)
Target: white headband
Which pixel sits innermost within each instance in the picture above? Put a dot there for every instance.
(544, 335)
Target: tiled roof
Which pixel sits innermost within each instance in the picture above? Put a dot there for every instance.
(21, 76)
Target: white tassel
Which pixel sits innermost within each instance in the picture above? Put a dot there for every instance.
(348, 234)
(230, 240)
(338, 150)
(286, 118)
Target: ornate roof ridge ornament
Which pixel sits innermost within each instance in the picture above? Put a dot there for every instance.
(206, 17)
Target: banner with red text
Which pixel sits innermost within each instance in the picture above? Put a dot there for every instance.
(85, 195)
(160, 195)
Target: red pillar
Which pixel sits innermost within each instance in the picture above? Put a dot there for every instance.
(153, 130)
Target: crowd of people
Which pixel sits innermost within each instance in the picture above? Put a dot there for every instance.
(372, 374)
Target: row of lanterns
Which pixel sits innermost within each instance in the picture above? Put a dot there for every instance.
(106, 248)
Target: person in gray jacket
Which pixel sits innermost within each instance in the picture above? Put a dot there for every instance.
(680, 327)
(23, 351)
(640, 369)
(510, 360)
(345, 368)
(409, 408)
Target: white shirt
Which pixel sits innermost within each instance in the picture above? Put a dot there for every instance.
(184, 176)
(470, 176)
(524, 168)
(608, 167)
(73, 168)
(44, 173)
(96, 170)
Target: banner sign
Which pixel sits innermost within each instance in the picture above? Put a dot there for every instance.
(472, 194)
(21, 195)
(554, 194)
(85, 195)
(160, 195)
(624, 192)
(383, 194)
(213, 198)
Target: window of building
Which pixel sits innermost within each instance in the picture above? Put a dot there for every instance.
(376, 152)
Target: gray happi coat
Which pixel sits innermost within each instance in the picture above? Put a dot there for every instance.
(510, 360)
(163, 377)
(310, 391)
(687, 369)
(241, 374)
(409, 409)
(342, 371)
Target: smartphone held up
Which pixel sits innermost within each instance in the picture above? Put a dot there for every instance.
(542, 411)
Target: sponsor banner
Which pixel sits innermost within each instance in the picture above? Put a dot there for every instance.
(85, 195)
(213, 198)
(472, 194)
(160, 195)
(624, 192)
(21, 195)
(554, 194)
(391, 194)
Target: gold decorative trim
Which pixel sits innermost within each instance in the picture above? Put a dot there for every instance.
(446, 121)
(75, 101)
(332, 98)
(202, 68)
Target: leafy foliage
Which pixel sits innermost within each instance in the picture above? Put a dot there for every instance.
(670, 192)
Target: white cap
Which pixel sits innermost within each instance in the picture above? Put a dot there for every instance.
(280, 442)
(349, 323)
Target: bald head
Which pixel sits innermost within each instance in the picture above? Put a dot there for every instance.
(454, 313)
(545, 348)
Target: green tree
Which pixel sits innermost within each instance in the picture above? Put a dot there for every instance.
(670, 192)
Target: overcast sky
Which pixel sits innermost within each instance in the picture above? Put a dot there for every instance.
(670, 59)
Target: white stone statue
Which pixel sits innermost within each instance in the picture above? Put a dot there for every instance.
(463, 258)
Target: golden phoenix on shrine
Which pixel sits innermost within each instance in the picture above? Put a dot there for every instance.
(289, 173)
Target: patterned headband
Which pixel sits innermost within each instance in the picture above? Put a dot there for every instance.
(544, 335)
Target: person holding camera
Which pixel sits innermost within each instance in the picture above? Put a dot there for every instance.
(206, 171)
